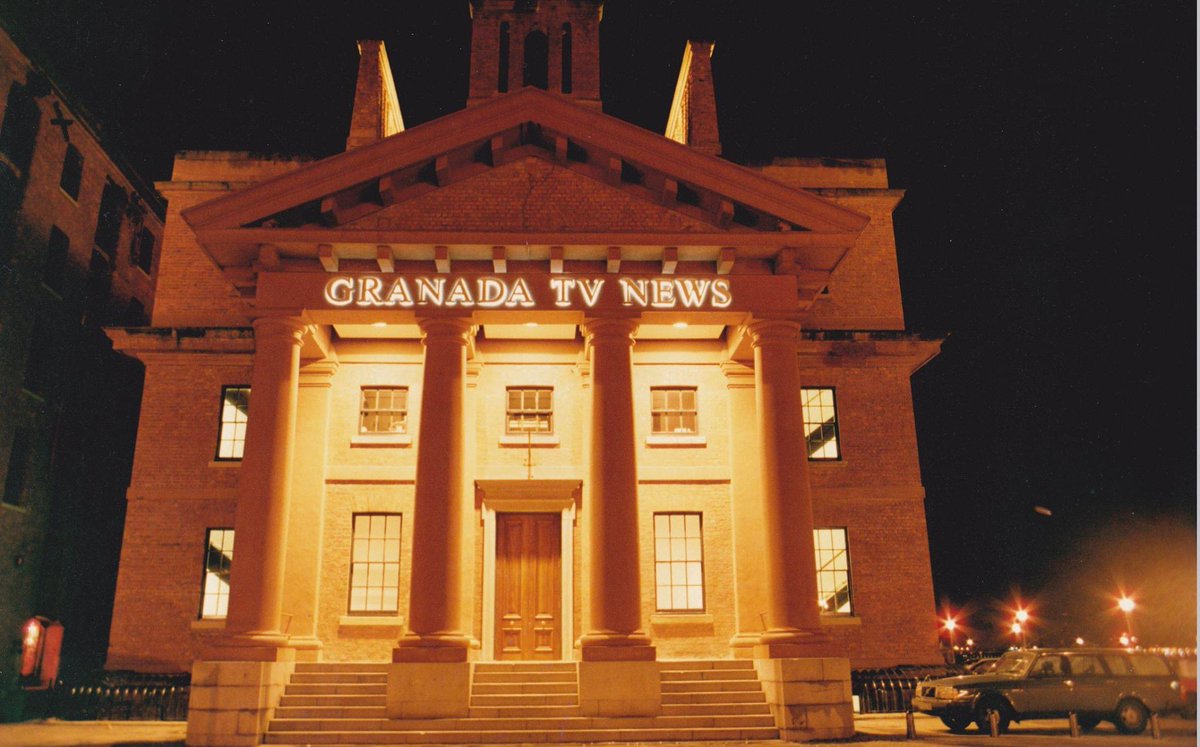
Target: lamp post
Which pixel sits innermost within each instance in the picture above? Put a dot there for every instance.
(1127, 606)
(1019, 625)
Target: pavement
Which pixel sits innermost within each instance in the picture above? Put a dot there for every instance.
(871, 729)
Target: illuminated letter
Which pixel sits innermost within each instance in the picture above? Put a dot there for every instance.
(722, 297)
(399, 295)
(693, 292)
(431, 291)
(664, 293)
(562, 290)
(460, 294)
(339, 292)
(368, 291)
(519, 295)
(590, 290)
(491, 292)
(634, 292)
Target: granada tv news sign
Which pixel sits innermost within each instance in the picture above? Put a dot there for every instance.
(526, 292)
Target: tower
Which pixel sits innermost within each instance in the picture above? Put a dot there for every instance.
(550, 44)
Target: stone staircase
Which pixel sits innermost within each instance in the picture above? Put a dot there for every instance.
(344, 704)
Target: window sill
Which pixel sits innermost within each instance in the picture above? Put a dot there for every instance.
(224, 463)
(208, 624)
(384, 440)
(681, 618)
(841, 620)
(541, 441)
(371, 621)
(690, 440)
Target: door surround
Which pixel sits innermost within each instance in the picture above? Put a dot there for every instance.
(534, 497)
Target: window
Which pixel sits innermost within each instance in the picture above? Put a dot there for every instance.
(18, 467)
(833, 571)
(673, 410)
(43, 361)
(218, 557)
(820, 423)
(108, 222)
(57, 252)
(678, 563)
(18, 132)
(141, 250)
(72, 172)
(530, 410)
(502, 73)
(235, 408)
(566, 58)
(537, 60)
(384, 410)
(375, 563)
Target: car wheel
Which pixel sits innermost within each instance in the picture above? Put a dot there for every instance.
(1087, 723)
(988, 706)
(957, 724)
(1131, 717)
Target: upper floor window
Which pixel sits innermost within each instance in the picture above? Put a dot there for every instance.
(235, 409)
(375, 563)
(218, 559)
(57, 251)
(537, 60)
(18, 131)
(141, 249)
(567, 51)
(383, 409)
(673, 410)
(833, 570)
(108, 222)
(819, 406)
(530, 410)
(502, 67)
(72, 172)
(678, 563)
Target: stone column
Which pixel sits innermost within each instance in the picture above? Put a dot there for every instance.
(746, 509)
(264, 489)
(306, 521)
(793, 618)
(436, 631)
(614, 580)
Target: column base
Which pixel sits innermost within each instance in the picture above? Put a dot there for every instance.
(741, 646)
(790, 643)
(266, 646)
(429, 688)
(437, 648)
(809, 697)
(308, 648)
(604, 645)
(232, 702)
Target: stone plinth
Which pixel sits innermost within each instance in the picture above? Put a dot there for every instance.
(620, 688)
(429, 689)
(232, 702)
(809, 698)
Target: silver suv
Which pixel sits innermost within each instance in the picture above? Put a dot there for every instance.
(1115, 685)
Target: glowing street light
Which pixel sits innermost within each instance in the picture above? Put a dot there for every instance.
(1022, 616)
(1018, 630)
(1079, 641)
(950, 624)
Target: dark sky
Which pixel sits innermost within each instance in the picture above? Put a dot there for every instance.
(1048, 151)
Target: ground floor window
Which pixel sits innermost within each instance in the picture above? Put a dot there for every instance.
(678, 563)
(819, 409)
(833, 570)
(218, 557)
(375, 564)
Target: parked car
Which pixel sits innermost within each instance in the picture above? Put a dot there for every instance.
(982, 666)
(1115, 685)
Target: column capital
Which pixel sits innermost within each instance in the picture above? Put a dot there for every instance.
(281, 326)
(450, 328)
(737, 375)
(609, 328)
(772, 331)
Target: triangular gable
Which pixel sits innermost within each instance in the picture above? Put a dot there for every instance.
(344, 188)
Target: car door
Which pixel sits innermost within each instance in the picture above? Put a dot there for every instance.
(1047, 688)
(1092, 687)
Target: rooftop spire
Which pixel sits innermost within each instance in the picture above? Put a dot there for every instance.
(376, 107)
(693, 117)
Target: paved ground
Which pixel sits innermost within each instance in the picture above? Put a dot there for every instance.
(879, 730)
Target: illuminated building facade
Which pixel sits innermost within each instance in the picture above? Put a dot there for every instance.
(525, 384)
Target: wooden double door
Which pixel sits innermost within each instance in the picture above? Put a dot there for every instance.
(528, 587)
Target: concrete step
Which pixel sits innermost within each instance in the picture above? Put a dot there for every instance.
(356, 688)
(306, 701)
(525, 711)
(339, 678)
(501, 737)
(329, 713)
(706, 664)
(516, 724)
(716, 709)
(695, 675)
(525, 666)
(551, 676)
(526, 688)
(710, 686)
(494, 701)
(342, 666)
(717, 697)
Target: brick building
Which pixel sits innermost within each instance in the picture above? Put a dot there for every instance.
(525, 384)
(78, 238)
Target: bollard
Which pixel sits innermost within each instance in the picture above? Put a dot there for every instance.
(1155, 730)
(994, 723)
(1073, 720)
(910, 725)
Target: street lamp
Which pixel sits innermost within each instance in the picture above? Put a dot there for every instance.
(1127, 606)
(1018, 630)
(949, 624)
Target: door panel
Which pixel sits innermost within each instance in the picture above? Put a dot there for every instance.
(528, 586)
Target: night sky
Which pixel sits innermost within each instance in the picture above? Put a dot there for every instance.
(1048, 152)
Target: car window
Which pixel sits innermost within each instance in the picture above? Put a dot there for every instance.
(1083, 665)
(1013, 663)
(1117, 664)
(1048, 666)
(1149, 664)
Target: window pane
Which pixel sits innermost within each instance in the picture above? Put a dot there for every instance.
(383, 410)
(218, 557)
(375, 562)
(833, 570)
(819, 412)
(235, 408)
(679, 570)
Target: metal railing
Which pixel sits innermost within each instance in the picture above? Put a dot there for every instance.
(890, 690)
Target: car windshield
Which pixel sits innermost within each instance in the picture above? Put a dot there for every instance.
(1015, 662)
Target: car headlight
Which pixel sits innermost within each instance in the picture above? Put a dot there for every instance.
(948, 692)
